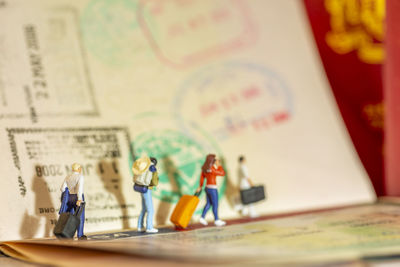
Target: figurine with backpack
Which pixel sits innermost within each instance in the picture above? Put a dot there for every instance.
(145, 178)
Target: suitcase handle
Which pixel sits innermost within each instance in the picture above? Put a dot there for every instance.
(79, 210)
(197, 194)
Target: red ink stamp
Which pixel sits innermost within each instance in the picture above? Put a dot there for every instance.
(185, 32)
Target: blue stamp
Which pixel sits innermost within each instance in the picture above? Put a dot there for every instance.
(233, 98)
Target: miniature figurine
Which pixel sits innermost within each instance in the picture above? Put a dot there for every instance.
(73, 197)
(244, 184)
(145, 178)
(210, 170)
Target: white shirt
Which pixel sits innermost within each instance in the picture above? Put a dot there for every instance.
(74, 182)
(213, 186)
(243, 175)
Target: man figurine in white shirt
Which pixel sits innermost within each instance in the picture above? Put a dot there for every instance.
(245, 183)
(72, 195)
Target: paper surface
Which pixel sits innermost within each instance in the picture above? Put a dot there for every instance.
(342, 235)
(99, 82)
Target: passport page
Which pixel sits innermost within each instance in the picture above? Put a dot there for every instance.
(103, 82)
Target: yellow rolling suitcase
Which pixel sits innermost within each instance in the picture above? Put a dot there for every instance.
(184, 210)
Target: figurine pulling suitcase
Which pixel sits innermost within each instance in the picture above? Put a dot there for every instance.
(184, 210)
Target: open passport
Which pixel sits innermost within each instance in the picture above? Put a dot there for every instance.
(102, 82)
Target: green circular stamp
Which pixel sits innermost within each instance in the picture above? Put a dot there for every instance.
(179, 162)
(112, 33)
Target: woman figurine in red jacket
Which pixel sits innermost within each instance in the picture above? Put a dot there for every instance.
(210, 170)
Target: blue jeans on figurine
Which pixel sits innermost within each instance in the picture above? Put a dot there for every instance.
(68, 204)
(147, 207)
(212, 200)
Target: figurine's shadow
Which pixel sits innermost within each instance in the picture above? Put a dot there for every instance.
(165, 204)
(29, 226)
(232, 191)
(110, 176)
(43, 209)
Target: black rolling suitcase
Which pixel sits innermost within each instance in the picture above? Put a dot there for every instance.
(252, 195)
(68, 223)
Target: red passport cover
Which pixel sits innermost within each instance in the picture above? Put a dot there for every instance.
(349, 36)
(392, 98)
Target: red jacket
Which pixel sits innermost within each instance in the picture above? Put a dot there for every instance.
(211, 176)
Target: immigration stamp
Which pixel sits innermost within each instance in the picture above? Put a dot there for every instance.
(232, 98)
(179, 157)
(43, 69)
(112, 33)
(43, 158)
(183, 33)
